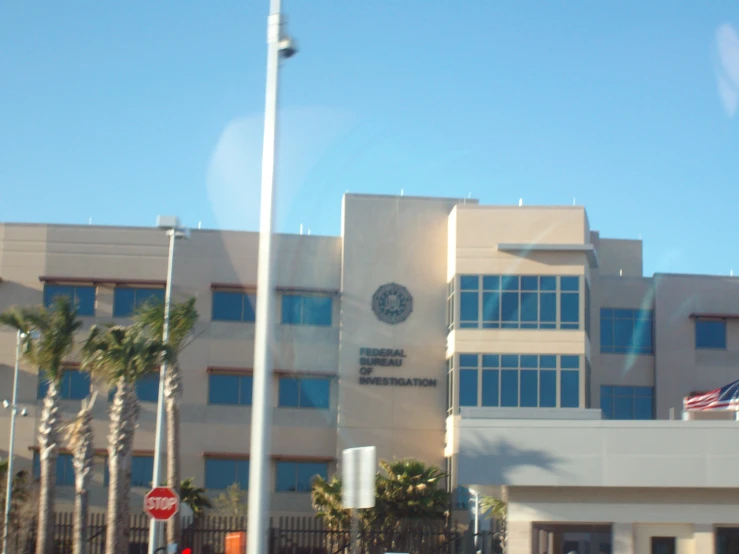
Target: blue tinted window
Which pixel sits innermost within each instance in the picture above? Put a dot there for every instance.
(227, 306)
(490, 388)
(548, 283)
(75, 385)
(147, 388)
(468, 309)
(469, 282)
(624, 402)
(314, 392)
(126, 300)
(490, 360)
(491, 282)
(547, 388)
(64, 469)
(528, 361)
(223, 389)
(468, 387)
(222, 473)
(529, 388)
(548, 307)
(490, 309)
(509, 360)
(510, 282)
(529, 283)
(569, 283)
(509, 388)
(142, 471)
(289, 395)
(304, 392)
(306, 310)
(626, 331)
(569, 307)
(549, 362)
(710, 333)
(509, 308)
(570, 362)
(297, 476)
(246, 389)
(569, 389)
(83, 297)
(468, 360)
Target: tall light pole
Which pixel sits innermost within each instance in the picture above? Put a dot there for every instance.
(11, 447)
(278, 45)
(174, 232)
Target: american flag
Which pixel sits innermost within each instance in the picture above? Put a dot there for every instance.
(725, 398)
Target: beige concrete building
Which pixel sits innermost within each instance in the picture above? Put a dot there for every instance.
(513, 346)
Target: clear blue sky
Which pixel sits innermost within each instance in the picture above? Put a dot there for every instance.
(120, 111)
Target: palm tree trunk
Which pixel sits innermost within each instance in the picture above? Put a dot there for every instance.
(83, 461)
(48, 447)
(124, 416)
(172, 394)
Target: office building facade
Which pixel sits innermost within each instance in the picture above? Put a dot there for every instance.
(513, 346)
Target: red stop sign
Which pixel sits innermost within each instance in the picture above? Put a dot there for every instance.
(161, 503)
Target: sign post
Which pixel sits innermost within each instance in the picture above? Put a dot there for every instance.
(358, 469)
(161, 503)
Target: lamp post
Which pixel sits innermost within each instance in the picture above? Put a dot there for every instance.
(174, 232)
(279, 45)
(13, 406)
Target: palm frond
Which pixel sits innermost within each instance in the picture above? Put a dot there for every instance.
(182, 319)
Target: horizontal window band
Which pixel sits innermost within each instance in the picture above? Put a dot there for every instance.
(102, 281)
(280, 372)
(275, 457)
(98, 452)
(252, 288)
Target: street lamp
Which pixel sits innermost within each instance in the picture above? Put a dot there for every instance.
(13, 406)
(279, 45)
(174, 231)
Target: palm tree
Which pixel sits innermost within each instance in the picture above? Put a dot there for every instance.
(410, 490)
(496, 509)
(182, 318)
(194, 497)
(48, 338)
(232, 502)
(80, 439)
(121, 356)
(326, 497)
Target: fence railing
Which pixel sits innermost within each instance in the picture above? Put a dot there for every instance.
(287, 535)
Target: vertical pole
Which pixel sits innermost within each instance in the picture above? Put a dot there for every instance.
(259, 468)
(477, 520)
(155, 527)
(11, 446)
(355, 532)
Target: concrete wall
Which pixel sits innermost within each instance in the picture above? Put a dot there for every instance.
(597, 453)
(399, 240)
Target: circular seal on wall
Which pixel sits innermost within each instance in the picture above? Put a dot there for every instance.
(392, 303)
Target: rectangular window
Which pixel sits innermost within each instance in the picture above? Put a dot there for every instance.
(234, 306)
(626, 331)
(298, 476)
(518, 302)
(147, 388)
(450, 305)
(142, 471)
(569, 386)
(64, 469)
(221, 473)
(306, 310)
(304, 392)
(621, 402)
(467, 387)
(710, 333)
(232, 390)
(127, 300)
(81, 296)
(75, 385)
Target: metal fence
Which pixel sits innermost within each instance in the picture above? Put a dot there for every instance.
(288, 535)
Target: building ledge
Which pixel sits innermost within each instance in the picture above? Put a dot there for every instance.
(587, 249)
(56, 279)
(713, 315)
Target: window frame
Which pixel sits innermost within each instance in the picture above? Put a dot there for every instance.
(638, 320)
(136, 303)
(284, 464)
(299, 383)
(66, 466)
(488, 301)
(699, 322)
(611, 394)
(497, 373)
(302, 298)
(239, 387)
(66, 384)
(48, 299)
(239, 463)
(247, 298)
